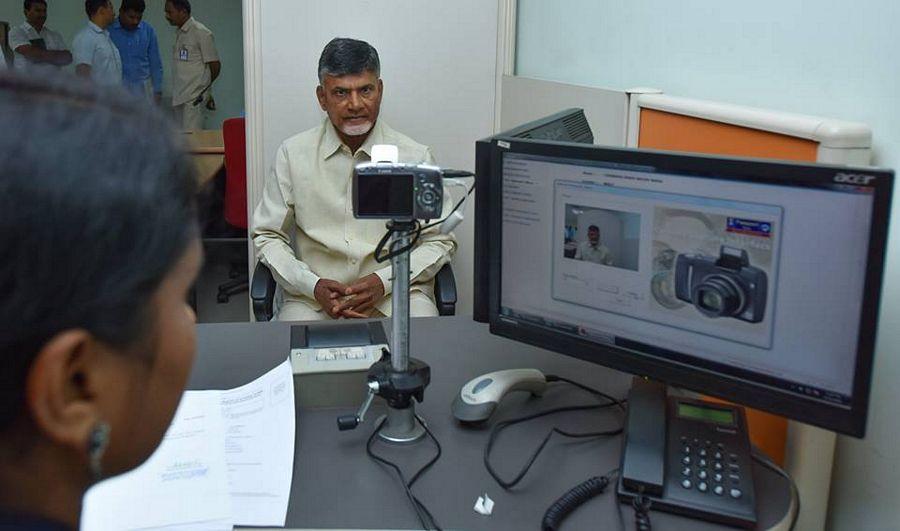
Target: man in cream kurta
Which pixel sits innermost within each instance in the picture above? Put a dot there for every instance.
(332, 259)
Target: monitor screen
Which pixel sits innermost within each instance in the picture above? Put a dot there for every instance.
(753, 281)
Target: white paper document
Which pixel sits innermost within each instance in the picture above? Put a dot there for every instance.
(259, 447)
(227, 459)
(184, 482)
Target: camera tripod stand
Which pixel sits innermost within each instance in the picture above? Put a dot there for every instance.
(397, 378)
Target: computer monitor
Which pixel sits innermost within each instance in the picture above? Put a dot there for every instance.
(569, 125)
(754, 281)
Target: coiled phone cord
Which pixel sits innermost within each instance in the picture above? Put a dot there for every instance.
(571, 500)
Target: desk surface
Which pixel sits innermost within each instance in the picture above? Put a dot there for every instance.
(207, 147)
(336, 485)
(206, 141)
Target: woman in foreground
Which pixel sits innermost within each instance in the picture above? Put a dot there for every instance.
(98, 249)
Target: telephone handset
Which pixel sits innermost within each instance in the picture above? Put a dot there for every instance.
(687, 456)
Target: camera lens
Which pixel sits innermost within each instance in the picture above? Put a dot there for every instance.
(712, 300)
(719, 296)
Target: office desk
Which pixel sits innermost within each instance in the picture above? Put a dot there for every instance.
(208, 150)
(336, 485)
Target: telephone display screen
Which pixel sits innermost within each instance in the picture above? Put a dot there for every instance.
(723, 417)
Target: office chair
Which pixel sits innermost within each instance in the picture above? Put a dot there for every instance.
(235, 205)
(262, 292)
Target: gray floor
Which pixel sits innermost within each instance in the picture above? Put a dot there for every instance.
(217, 263)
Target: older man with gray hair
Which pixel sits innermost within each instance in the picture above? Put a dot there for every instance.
(330, 270)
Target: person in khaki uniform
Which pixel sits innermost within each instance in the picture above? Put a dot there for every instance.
(331, 272)
(195, 66)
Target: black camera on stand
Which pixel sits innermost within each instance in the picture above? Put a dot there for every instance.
(403, 194)
(727, 286)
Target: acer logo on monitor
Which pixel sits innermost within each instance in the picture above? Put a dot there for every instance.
(854, 178)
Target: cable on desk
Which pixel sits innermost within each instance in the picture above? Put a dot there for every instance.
(568, 502)
(765, 461)
(641, 506)
(426, 519)
(500, 426)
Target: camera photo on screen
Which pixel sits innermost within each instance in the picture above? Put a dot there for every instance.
(714, 269)
(602, 236)
(693, 263)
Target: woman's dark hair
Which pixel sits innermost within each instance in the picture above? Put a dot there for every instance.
(96, 207)
(342, 56)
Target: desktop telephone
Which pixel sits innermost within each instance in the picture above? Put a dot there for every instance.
(687, 456)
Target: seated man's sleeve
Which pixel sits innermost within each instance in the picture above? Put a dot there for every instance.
(433, 250)
(272, 221)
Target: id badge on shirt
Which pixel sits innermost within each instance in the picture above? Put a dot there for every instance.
(183, 54)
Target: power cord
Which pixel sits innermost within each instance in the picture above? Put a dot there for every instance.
(392, 252)
(500, 426)
(426, 519)
(380, 256)
(757, 455)
(455, 208)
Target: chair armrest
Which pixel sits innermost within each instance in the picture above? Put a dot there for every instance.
(262, 293)
(445, 291)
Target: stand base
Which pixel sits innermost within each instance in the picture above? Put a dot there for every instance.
(401, 426)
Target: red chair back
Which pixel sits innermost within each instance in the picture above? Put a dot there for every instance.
(235, 136)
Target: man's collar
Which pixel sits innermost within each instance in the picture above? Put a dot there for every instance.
(26, 25)
(376, 136)
(96, 28)
(117, 24)
(189, 23)
(332, 143)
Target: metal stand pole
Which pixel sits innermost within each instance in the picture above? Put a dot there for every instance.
(401, 425)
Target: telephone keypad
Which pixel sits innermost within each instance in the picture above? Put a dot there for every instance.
(701, 469)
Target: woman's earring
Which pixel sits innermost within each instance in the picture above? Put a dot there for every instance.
(97, 447)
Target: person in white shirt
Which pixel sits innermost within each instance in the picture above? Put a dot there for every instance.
(195, 66)
(95, 55)
(36, 46)
(592, 250)
(331, 272)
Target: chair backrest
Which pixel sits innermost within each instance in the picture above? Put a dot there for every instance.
(235, 138)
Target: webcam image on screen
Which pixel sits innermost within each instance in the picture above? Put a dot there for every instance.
(602, 236)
